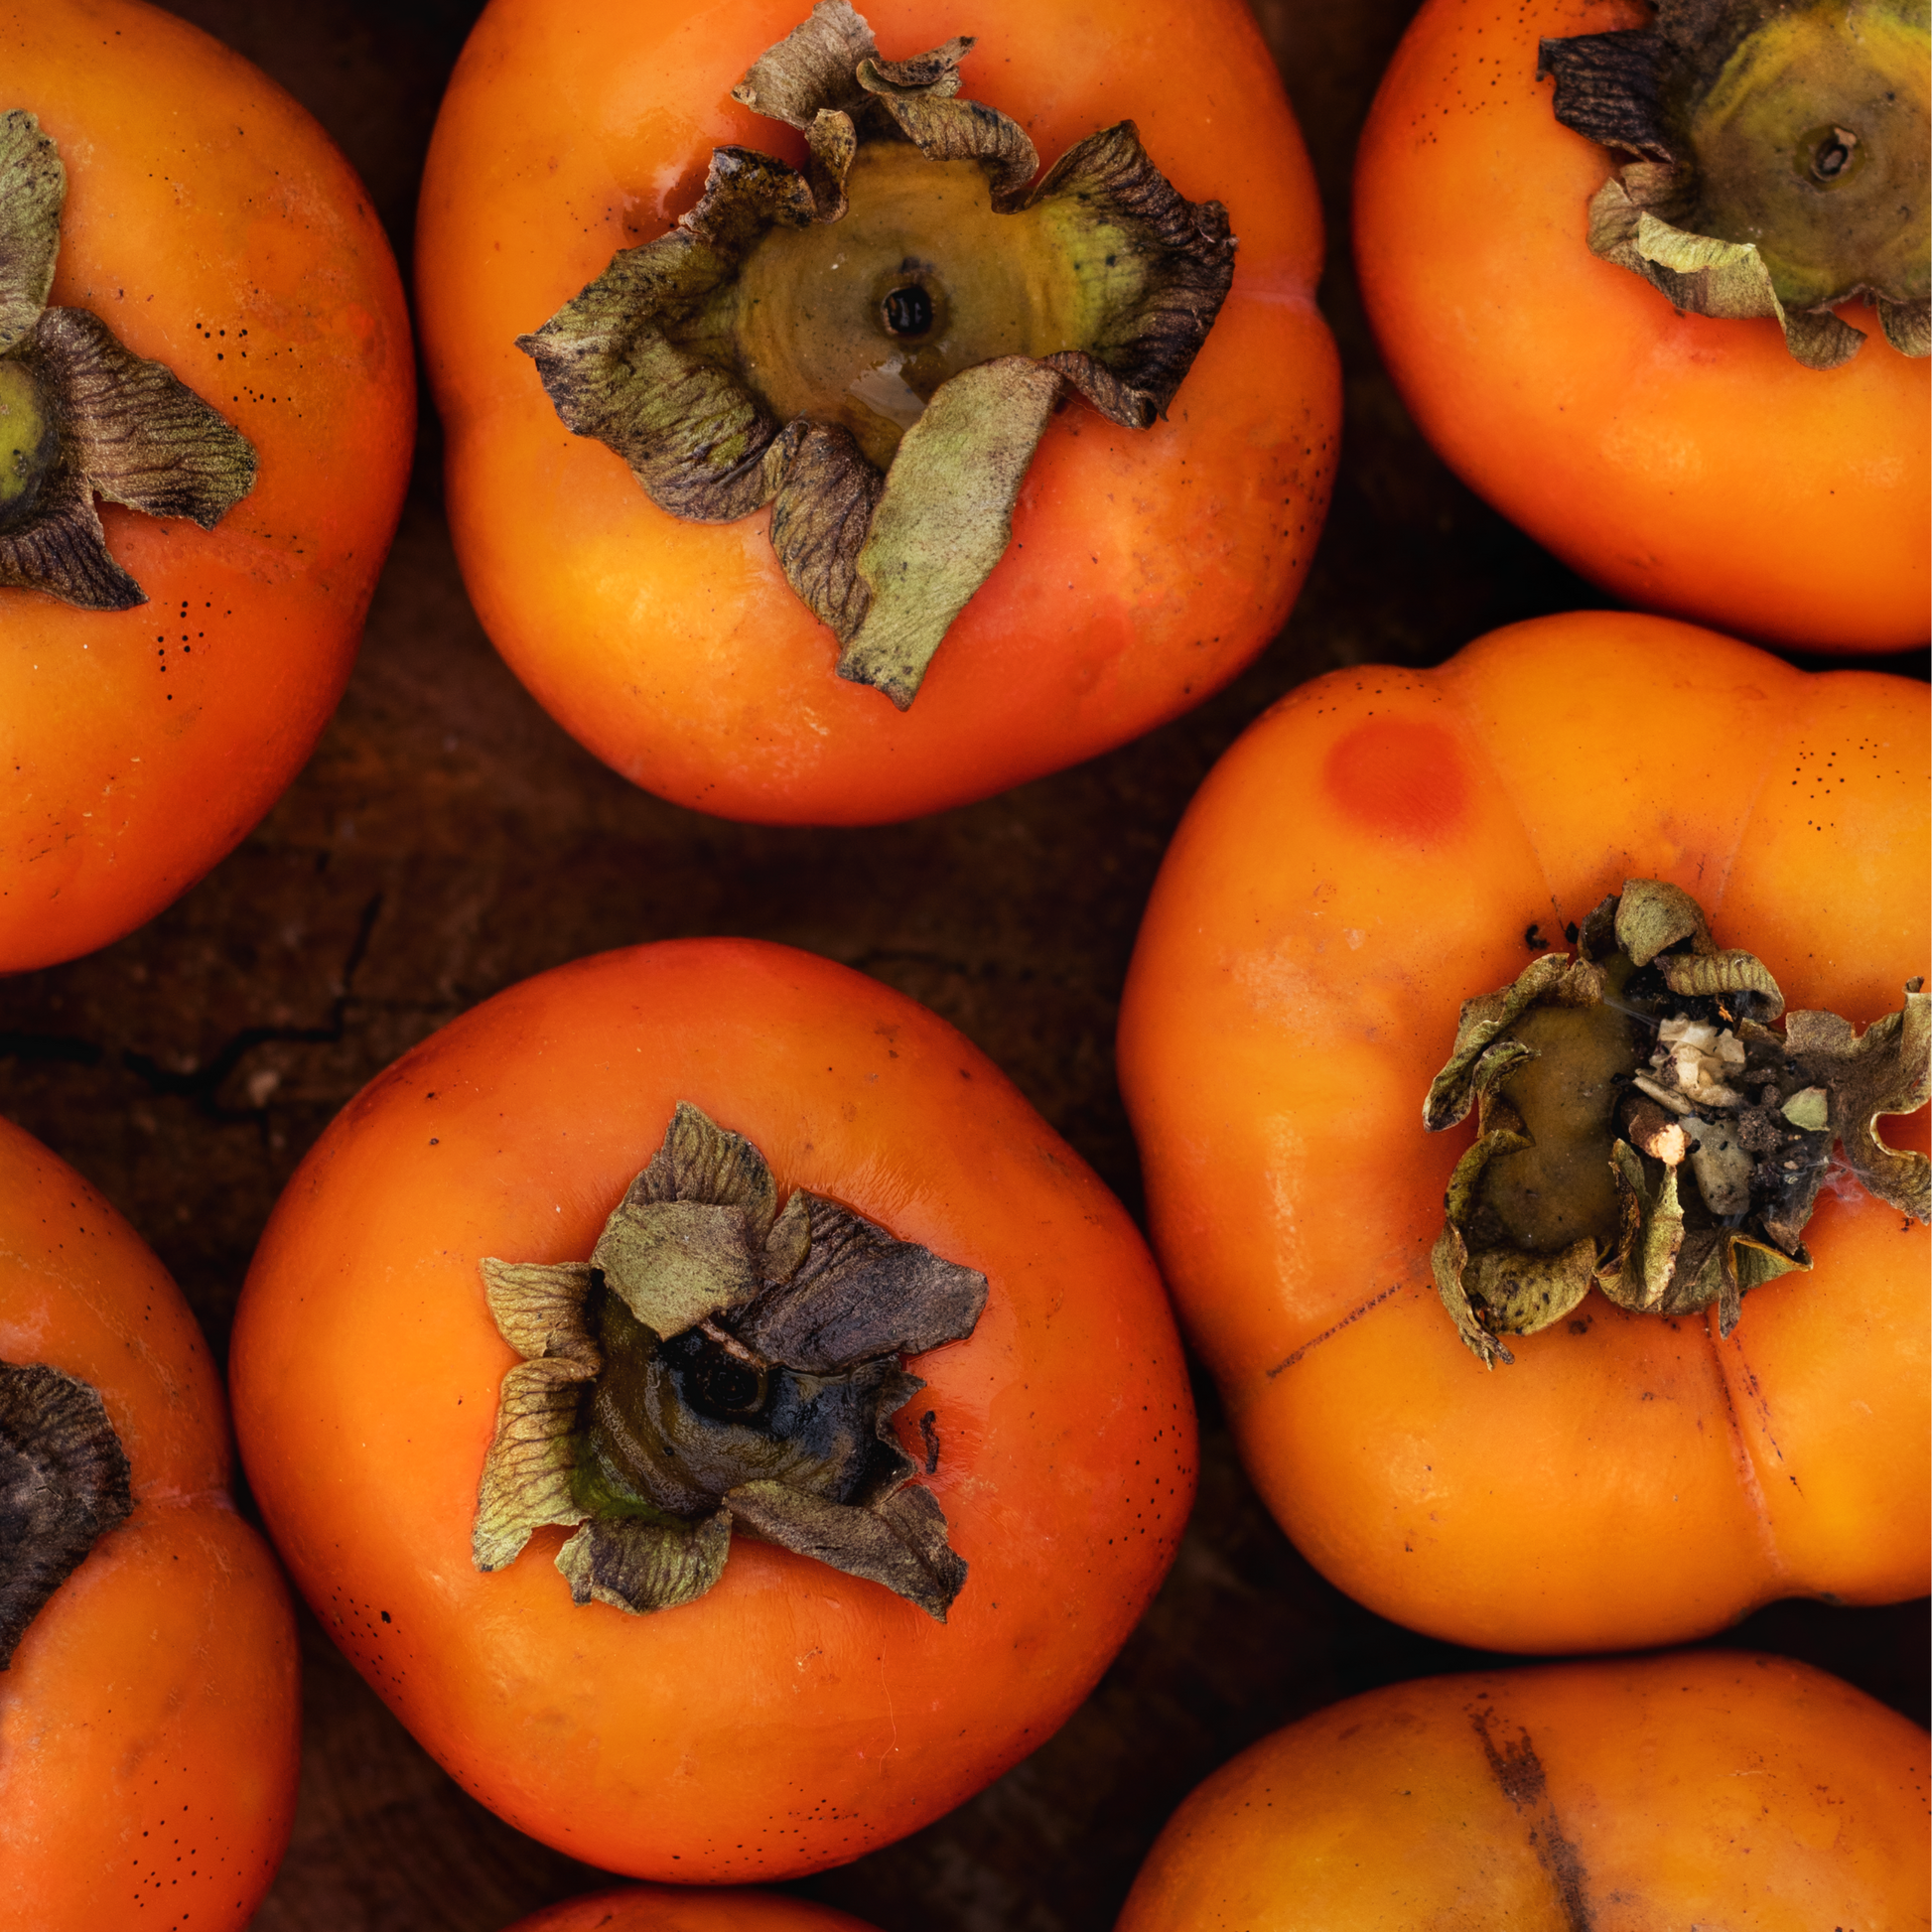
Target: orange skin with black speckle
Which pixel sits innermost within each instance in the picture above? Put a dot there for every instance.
(1685, 462)
(216, 229)
(1712, 1788)
(667, 1908)
(149, 1721)
(1385, 844)
(792, 1717)
(1147, 567)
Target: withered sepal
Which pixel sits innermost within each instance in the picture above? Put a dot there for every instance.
(83, 417)
(1718, 1131)
(660, 359)
(63, 1484)
(1772, 161)
(716, 1364)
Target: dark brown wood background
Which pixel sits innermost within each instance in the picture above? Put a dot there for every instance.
(447, 840)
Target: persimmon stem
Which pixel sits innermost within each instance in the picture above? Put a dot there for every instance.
(718, 1363)
(873, 347)
(1645, 1130)
(1773, 161)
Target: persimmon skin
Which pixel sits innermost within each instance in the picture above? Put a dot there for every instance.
(1379, 847)
(792, 1717)
(149, 1721)
(1708, 1788)
(1147, 567)
(671, 1908)
(142, 744)
(1686, 464)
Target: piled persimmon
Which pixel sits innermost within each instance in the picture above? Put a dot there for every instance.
(718, 1417)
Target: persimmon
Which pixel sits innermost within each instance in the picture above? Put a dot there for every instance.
(670, 1908)
(717, 1414)
(1708, 1788)
(147, 1696)
(1594, 241)
(885, 475)
(200, 327)
(1669, 1445)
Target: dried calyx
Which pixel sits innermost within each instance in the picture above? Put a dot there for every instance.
(79, 416)
(1774, 161)
(63, 1484)
(720, 1363)
(873, 347)
(1645, 1128)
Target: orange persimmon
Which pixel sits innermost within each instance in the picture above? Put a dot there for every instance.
(671, 1908)
(1685, 462)
(1146, 565)
(1707, 1788)
(1379, 848)
(148, 1718)
(775, 1713)
(212, 226)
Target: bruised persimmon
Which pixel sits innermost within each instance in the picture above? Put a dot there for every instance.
(1595, 1369)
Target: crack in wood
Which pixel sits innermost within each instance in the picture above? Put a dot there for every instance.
(202, 1084)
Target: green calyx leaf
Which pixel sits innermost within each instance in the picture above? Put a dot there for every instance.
(873, 347)
(79, 416)
(944, 518)
(1643, 1126)
(719, 1361)
(1775, 161)
(63, 1484)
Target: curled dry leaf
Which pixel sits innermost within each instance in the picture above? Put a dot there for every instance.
(720, 1363)
(786, 343)
(1774, 161)
(1644, 1127)
(79, 416)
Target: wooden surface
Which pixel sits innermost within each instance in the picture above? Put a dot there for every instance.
(448, 840)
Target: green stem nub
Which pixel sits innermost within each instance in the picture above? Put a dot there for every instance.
(63, 1484)
(1644, 1127)
(1776, 161)
(873, 347)
(79, 416)
(720, 1363)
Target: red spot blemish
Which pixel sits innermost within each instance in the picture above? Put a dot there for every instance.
(1401, 777)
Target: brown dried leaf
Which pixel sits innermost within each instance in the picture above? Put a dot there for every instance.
(639, 1566)
(63, 1484)
(525, 1482)
(899, 1542)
